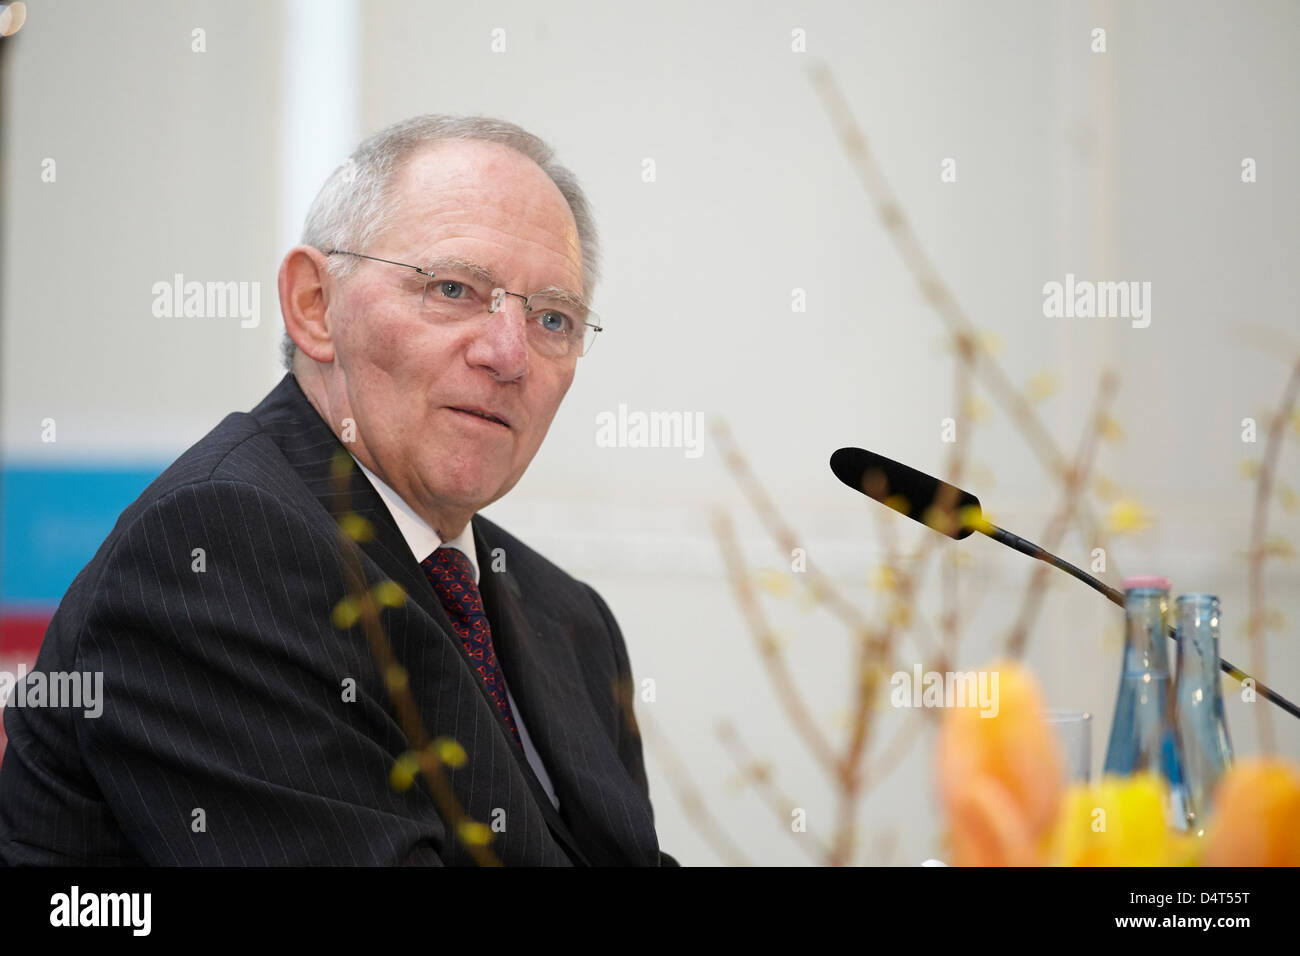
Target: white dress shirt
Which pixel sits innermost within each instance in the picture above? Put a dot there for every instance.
(423, 541)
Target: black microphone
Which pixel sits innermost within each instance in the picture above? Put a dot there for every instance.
(956, 513)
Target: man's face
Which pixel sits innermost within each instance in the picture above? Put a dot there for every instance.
(402, 375)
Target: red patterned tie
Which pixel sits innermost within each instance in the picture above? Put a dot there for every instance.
(452, 575)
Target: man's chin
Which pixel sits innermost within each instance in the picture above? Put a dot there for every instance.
(470, 496)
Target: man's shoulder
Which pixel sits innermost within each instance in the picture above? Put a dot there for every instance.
(240, 450)
(254, 448)
(245, 447)
(236, 440)
(242, 459)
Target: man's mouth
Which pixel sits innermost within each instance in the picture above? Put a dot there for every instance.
(481, 413)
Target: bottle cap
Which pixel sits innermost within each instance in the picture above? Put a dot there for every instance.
(1146, 581)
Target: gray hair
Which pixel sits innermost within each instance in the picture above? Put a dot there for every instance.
(355, 205)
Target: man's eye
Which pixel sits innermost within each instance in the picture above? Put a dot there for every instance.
(555, 322)
(451, 289)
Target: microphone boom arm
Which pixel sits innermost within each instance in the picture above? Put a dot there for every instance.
(1025, 546)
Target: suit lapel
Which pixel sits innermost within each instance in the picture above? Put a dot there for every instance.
(390, 551)
(548, 685)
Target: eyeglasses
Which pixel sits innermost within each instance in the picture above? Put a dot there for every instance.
(458, 291)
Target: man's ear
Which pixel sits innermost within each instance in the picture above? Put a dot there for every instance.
(304, 301)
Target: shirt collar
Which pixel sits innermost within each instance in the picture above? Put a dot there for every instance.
(419, 536)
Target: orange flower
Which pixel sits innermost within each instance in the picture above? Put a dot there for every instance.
(1256, 819)
(1001, 777)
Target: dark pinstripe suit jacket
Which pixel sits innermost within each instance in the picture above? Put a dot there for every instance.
(225, 736)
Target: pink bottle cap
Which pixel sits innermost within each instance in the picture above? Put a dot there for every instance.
(1146, 581)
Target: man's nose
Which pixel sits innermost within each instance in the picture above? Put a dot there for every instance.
(501, 343)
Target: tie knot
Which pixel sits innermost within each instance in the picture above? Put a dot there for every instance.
(451, 564)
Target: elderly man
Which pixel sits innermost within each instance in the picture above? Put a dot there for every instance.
(435, 315)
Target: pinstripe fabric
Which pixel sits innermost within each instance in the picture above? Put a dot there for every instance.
(226, 737)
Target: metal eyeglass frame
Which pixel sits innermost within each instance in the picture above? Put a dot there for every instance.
(406, 265)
